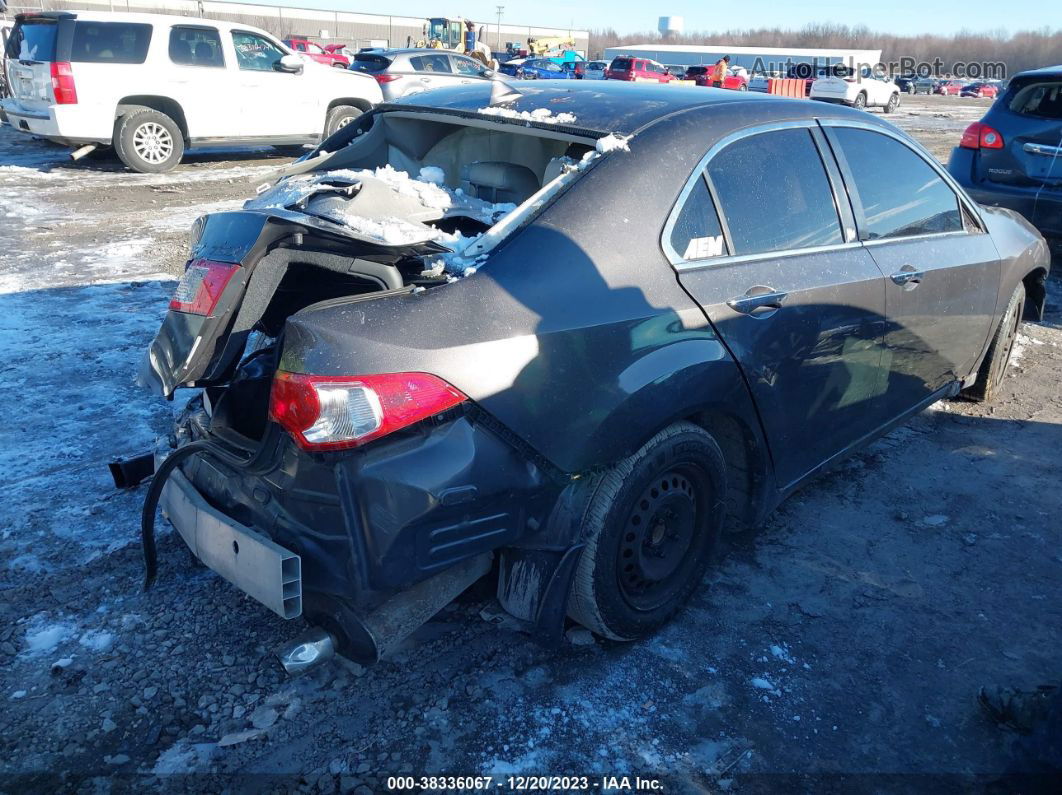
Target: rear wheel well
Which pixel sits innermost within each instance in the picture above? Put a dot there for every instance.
(1035, 294)
(746, 467)
(165, 105)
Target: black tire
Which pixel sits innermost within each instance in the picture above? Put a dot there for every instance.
(148, 141)
(743, 87)
(650, 528)
(912, 90)
(338, 65)
(860, 101)
(893, 103)
(340, 116)
(994, 367)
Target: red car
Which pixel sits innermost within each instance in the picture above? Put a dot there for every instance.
(318, 53)
(702, 76)
(950, 88)
(625, 67)
(980, 90)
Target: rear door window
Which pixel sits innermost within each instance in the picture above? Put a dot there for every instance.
(697, 233)
(431, 63)
(33, 40)
(774, 193)
(621, 64)
(110, 42)
(901, 194)
(195, 46)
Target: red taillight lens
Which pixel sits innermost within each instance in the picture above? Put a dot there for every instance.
(383, 79)
(201, 286)
(340, 412)
(63, 83)
(981, 136)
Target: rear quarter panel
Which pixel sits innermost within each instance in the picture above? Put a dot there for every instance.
(1022, 249)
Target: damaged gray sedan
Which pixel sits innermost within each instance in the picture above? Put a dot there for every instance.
(420, 361)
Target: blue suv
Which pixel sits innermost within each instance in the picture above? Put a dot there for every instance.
(1013, 156)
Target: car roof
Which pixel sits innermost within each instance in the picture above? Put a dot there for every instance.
(147, 19)
(391, 52)
(625, 108)
(1046, 71)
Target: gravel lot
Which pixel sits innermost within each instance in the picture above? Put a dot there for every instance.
(846, 637)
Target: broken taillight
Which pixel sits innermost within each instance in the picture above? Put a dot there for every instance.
(201, 286)
(340, 412)
(63, 83)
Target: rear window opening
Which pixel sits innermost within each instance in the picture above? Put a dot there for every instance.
(1042, 99)
(411, 202)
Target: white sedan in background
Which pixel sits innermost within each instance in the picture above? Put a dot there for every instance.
(858, 90)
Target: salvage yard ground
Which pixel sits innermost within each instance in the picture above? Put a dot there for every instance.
(847, 636)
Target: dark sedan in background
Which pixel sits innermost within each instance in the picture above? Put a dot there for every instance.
(1013, 156)
(409, 384)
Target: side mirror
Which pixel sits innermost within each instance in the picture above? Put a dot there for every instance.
(290, 63)
(488, 73)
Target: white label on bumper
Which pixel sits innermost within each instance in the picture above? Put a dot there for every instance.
(253, 563)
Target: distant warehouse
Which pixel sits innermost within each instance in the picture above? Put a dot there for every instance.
(755, 59)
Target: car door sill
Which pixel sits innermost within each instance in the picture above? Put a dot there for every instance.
(949, 390)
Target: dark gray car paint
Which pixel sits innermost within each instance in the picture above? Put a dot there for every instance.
(577, 341)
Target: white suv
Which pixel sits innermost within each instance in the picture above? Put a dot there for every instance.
(150, 85)
(859, 91)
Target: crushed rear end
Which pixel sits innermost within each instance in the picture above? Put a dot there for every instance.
(363, 500)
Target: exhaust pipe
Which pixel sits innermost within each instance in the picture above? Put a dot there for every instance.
(310, 650)
(87, 149)
(367, 638)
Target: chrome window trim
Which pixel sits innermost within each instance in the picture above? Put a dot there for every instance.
(921, 152)
(880, 241)
(686, 266)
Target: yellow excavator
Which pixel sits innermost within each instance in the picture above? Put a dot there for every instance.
(549, 46)
(457, 34)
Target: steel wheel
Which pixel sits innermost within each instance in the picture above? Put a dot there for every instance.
(658, 535)
(152, 142)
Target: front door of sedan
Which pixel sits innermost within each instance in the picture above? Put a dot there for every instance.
(799, 304)
(943, 270)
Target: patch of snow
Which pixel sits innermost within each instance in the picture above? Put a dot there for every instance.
(432, 174)
(47, 636)
(540, 115)
(612, 143)
(97, 640)
(782, 653)
(18, 694)
(760, 683)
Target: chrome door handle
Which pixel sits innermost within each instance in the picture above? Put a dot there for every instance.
(908, 277)
(757, 298)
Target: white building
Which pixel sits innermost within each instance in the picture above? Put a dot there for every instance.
(755, 59)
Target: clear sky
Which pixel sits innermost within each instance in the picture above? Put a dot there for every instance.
(628, 16)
